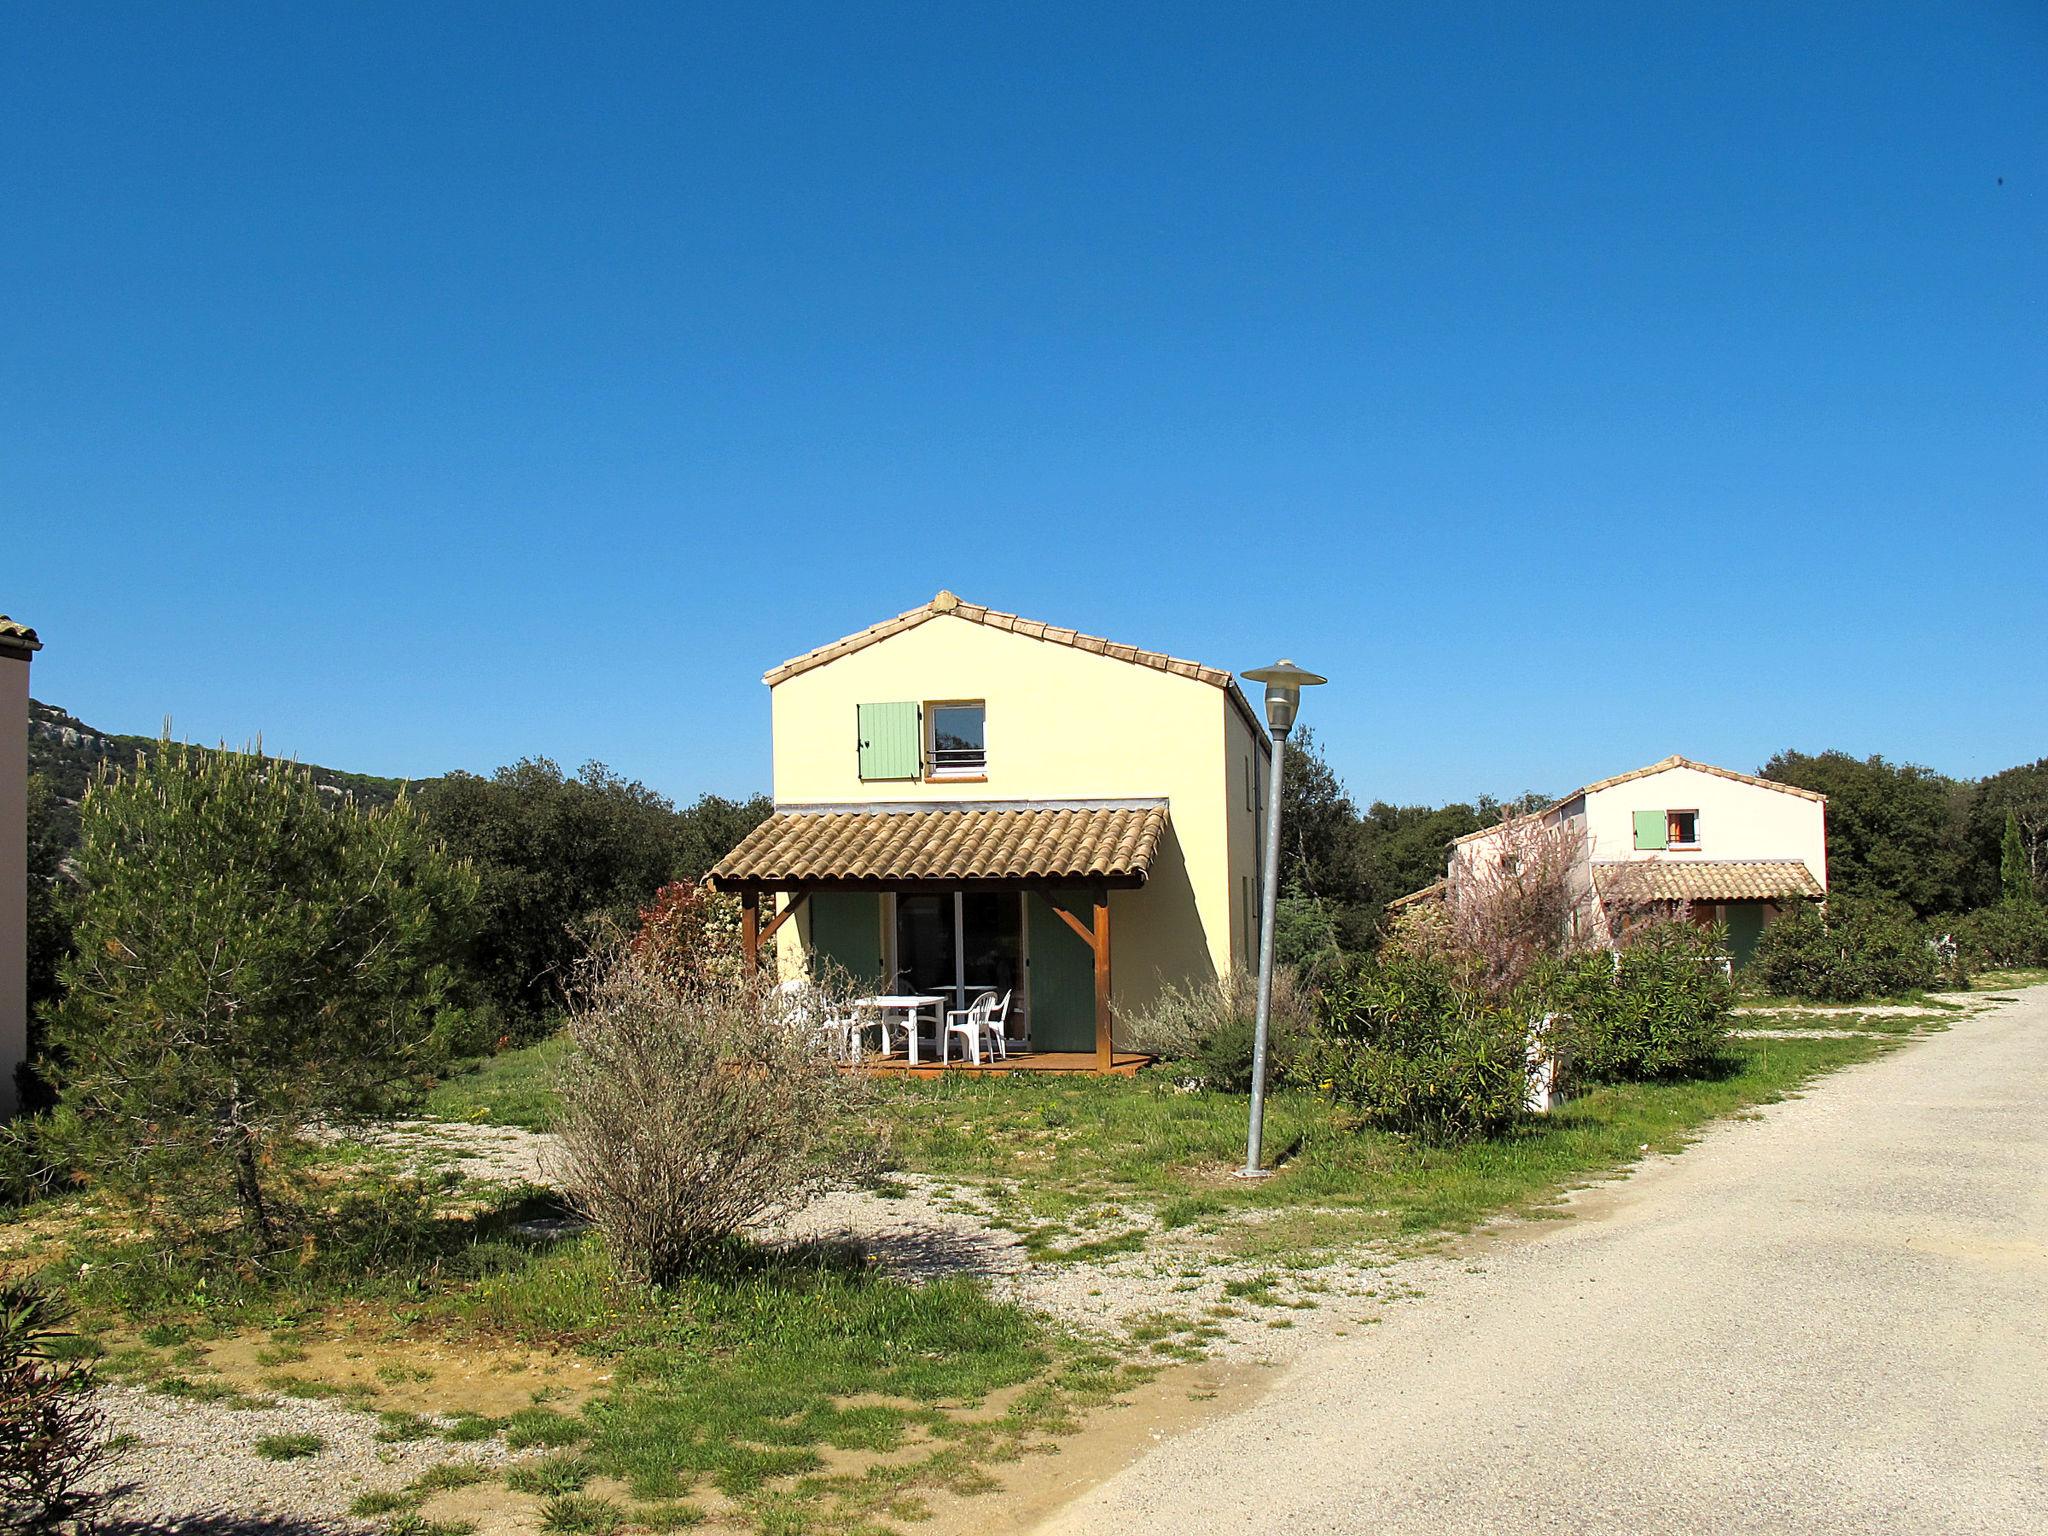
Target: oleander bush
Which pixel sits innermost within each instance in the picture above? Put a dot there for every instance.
(1657, 1008)
(1416, 1044)
(2009, 935)
(1847, 951)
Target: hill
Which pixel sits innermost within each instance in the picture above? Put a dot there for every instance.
(66, 752)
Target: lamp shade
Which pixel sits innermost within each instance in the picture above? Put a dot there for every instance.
(1284, 682)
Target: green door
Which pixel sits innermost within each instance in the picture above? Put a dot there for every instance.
(1745, 927)
(1062, 975)
(846, 931)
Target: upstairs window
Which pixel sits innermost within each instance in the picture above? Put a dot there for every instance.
(959, 740)
(1658, 830)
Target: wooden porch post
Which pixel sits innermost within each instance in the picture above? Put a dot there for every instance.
(1104, 1058)
(750, 928)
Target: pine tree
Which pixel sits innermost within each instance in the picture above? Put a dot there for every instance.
(253, 956)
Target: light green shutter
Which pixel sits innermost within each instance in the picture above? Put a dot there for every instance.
(1650, 830)
(888, 741)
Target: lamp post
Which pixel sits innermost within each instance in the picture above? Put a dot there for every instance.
(1284, 682)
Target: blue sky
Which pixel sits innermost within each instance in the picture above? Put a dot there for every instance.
(428, 386)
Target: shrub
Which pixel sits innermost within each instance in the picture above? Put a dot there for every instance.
(691, 1108)
(52, 1435)
(251, 956)
(1658, 1008)
(689, 929)
(2001, 937)
(1413, 1044)
(26, 1171)
(1848, 951)
(1205, 1029)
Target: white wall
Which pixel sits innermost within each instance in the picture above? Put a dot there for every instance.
(1737, 820)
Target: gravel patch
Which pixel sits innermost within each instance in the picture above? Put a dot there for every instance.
(196, 1462)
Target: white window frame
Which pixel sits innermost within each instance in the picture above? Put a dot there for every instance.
(933, 770)
(1671, 842)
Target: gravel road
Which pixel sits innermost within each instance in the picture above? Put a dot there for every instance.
(1831, 1318)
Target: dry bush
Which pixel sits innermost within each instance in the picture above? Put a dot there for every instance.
(52, 1433)
(694, 1106)
(1520, 897)
(1208, 1026)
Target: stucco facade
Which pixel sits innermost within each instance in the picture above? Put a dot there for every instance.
(17, 646)
(1064, 725)
(1726, 846)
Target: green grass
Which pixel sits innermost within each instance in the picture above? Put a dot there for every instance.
(1336, 1182)
(745, 1377)
(289, 1447)
(510, 1088)
(2005, 981)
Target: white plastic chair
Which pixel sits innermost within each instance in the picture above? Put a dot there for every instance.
(971, 1021)
(998, 1029)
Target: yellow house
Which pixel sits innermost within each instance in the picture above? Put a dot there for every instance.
(966, 799)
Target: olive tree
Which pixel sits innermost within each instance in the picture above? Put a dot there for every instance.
(253, 954)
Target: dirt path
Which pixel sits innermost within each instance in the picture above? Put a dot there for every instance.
(1833, 1317)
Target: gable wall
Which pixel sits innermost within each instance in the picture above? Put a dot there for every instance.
(1737, 820)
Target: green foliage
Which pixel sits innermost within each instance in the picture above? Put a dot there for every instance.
(1307, 932)
(1659, 1009)
(1895, 831)
(252, 956)
(1845, 952)
(49, 925)
(2015, 875)
(1411, 1043)
(52, 1436)
(2009, 935)
(563, 859)
(1342, 867)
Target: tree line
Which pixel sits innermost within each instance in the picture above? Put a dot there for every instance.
(557, 858)
(1897, 833)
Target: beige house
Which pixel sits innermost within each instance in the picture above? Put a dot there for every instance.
(967, 799)
(1725, 847)
(18, 644)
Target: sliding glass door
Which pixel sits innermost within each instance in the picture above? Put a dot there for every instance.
(957, 945)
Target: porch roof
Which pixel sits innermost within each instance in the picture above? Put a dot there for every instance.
(1634, 880)
(1072, 842)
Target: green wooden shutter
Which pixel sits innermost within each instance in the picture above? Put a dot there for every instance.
(1650, 830)
(1062, 974)
(889, 741)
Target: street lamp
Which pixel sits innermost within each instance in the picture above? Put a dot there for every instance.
(1284, 682)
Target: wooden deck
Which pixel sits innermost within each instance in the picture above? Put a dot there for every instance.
(1122, 1064)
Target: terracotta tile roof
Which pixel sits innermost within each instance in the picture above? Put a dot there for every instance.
(1661, 766)
(17, 637)
(1631, 880)
(947, 605)
(1080, 842)
(1434, 891)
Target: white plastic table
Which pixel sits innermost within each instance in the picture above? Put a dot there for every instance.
(905, 1005)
